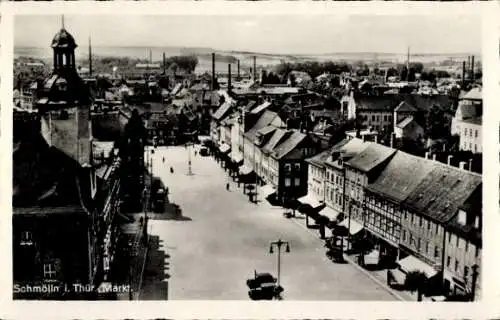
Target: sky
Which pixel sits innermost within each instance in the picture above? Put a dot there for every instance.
(277, 34)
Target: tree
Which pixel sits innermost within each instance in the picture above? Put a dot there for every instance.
(436, 123)
(415, 281)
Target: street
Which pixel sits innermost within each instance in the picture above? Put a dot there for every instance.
(218, 238)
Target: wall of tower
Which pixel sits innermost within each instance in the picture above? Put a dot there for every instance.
(58, 129)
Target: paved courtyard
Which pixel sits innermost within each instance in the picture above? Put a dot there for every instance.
(220, 238)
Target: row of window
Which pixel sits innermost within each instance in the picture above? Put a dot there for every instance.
(416, 243)
(289, 181)
(296, 166)
(377, 118)
(470, 132)
(464, 147)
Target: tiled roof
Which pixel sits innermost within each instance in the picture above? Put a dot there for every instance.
(265, 119)
(320, 158)
(222, 111)
(261, 107)
(442, 192)
(397, 181)
(405, 107)
(406, 121)
(288, 145)
(274, 141)
(371, 157)
(347, 149)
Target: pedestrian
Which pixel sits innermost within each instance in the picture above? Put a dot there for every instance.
(227, 186)
(171, 170)
(195, 152)
(163, 159)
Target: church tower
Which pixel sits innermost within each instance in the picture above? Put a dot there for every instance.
(64, 105)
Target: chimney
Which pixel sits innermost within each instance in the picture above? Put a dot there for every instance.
(213, 71)
(229, 78)
(434, 157)
(461, 165)
(239, 70)
(90, 58)
(470, 164)
(427, 155)
(463, 74)
(472, 69)
(254, 68)
(164, 64)
(392, 140)
(449, 160)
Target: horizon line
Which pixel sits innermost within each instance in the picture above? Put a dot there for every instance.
(266, 53)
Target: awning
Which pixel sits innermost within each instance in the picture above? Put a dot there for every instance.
(354, 227)
(224, 148)
(411, 263)
(373, 257)
(311, 200)
(245, 169)
(236, 157)
(267, 190)
(330, 213)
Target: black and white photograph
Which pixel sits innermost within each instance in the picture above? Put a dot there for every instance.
(247, 157)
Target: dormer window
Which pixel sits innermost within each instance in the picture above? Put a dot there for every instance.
(340, 162)
(462, 217)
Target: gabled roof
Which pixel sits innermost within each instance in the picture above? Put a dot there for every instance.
(405, 107)
(346, 149)
(406, 121)
(397, 181)
(265, 119)
(277, 136)
(288, 145)
(467, 110)
(371, 103)
(441, 192)
(474, 207)
(222, 111)
(319, 159)
(371, 157)
(261, 107)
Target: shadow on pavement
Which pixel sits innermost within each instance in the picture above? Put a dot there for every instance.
(155, 284)
(172, 212)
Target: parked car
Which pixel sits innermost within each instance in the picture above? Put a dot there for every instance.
(259, 279)
(263, 287)
(159, 200)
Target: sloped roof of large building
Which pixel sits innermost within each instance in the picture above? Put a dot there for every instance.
(476, 120)
(320, 158)
(371, 157)
(44, 176)
(222, 111)
(375, 103)
(288, 144)
(404, 106)
(397, 181)
(264, 120)
(274, 141)
(441, 192)
(403, 123)
(347, 149)
(261, 107)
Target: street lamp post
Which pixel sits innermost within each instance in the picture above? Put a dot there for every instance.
(190, 171)
(279, 244)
